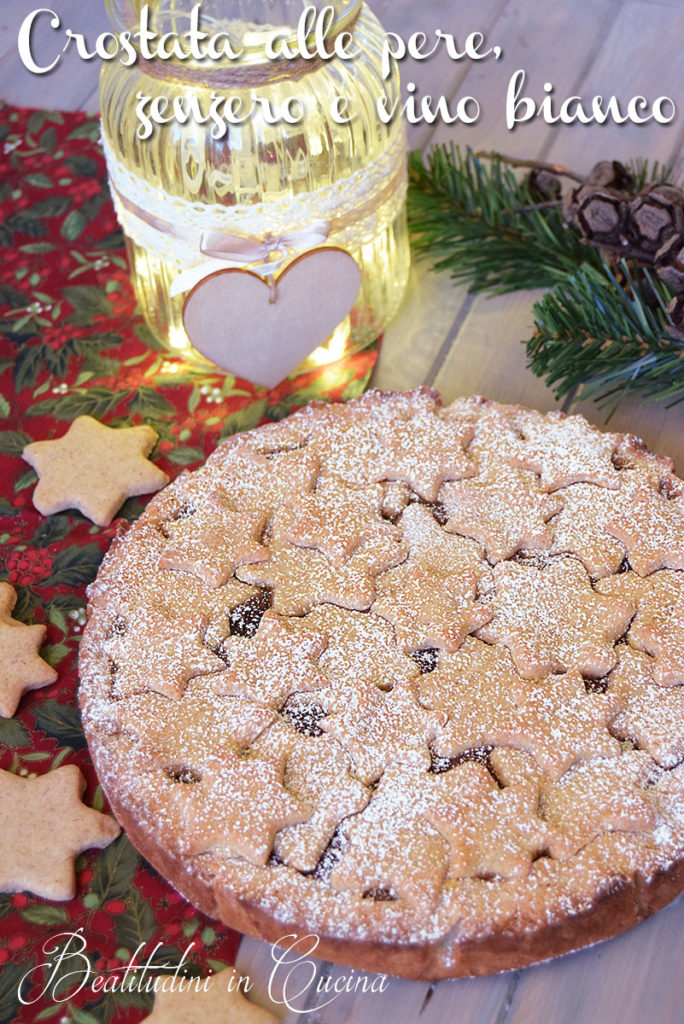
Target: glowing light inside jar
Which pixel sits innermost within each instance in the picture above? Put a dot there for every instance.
(333, 349)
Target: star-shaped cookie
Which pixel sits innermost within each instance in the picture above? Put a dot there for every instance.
(665, 642)
(318, 774)
(567, 450)
(490, 831)
(213, 540)
(218, 999)
(424, 452)
(335, 519)
(599, 796)
(473, 686)
(237, 807)
(560, 723)
(652, 530)
(650, 716)
(94, 468)
(429, 612)
(552, 620)
(378, 729)
(274, 663)
(392, 852)
(152, 652)
(360, 645)
(22, 667)
(504, 511)
(301, 578)
(43, 828)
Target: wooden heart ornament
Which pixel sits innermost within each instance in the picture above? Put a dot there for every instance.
(262, 330)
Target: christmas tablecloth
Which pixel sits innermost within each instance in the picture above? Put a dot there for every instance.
(73, 342)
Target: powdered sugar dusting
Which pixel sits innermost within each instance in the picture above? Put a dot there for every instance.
(250, 694)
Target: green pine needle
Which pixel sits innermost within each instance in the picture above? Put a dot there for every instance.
(611, 335)
(463, 215)
(623, 343)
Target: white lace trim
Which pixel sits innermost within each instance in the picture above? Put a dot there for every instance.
(169, 227)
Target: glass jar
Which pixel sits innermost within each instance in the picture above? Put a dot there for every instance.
(260, 181)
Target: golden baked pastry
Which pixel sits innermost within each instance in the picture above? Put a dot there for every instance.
(404, 676)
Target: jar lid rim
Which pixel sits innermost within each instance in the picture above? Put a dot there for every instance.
(169, 15)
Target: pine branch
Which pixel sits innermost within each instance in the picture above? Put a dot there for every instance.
(624, 344)
(611, 334)
(485, 227)
(646, 172)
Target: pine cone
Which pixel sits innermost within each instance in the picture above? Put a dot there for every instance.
(599, 213)
(543, 185)
(655, 215)
(610, 174)
(675, 311)
(669, 264)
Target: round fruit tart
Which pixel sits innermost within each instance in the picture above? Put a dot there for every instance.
(406, 677)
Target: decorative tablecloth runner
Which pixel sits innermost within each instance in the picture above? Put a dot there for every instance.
(72, 342)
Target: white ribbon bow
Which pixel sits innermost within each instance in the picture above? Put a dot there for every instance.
(258, 254)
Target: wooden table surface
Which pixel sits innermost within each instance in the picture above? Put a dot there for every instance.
(462, 344)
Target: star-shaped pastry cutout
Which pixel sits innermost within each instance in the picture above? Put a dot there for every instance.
(439, 552)
(567, 450)
(273, 664)
(496, 434)
(473, 686)
(378, 729)
(218, 999)
(552, 620)
(580, 527)
(665, 641)
(259, 483)
(424, 452)
(22, 667)
(650, 716)
(360, 645)
(237, 807)
(183, 734)
(134, 579)
(560, 723)
(490, 831)
(317, 773)
(151, 652)
(213, 540)
(301, 578)
(429, 612)
(393, 853)
(652, 530)
(44, 826)
(504, 511)
(599, 796)
(94, 468)
(654, 597)
(335, 519)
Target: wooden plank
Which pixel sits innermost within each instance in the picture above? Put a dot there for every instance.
(556, 43)
(73, 80)
(414, 339)
(641, 55)
(467, 1000)
(488, 358)
(438, 75)
(636, 977)
(12, 14)
(662, 429)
